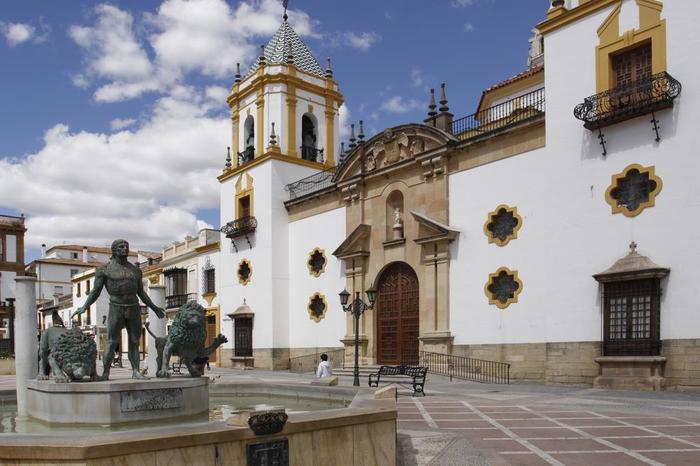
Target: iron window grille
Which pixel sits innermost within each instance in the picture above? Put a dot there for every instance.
(210, 281)
(631, 318)
(246, 156)
(243, 337)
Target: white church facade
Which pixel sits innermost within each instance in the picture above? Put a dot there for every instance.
(552, 230)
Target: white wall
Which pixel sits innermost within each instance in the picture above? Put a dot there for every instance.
(7, 285)
(568, 231)
(326, 231)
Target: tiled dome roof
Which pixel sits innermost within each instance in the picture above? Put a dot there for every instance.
(278, 48)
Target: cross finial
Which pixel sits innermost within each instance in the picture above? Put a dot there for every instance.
(633, 247)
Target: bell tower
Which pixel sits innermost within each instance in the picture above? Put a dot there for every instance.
(285, 106)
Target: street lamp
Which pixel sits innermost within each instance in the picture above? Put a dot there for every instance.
(357, 307)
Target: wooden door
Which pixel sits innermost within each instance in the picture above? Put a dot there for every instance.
(632, 66)
(397, 315)
(211, 334)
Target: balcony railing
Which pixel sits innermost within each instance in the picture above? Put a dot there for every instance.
(246, 156)
(504, 115)
(460, 367)
(240, 227)
(627, 102)
(177, 300)
(311, 154)
(311, 184)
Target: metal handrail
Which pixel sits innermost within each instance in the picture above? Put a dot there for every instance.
(504, 115)
(460, 367)
(312, 154)
(246, 156)
(177, 300)
(311, 184)
(629, 101)
(309, 362)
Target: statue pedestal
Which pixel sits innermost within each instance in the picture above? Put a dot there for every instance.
(117, 401)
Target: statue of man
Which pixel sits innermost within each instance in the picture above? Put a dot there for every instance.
(125, 286)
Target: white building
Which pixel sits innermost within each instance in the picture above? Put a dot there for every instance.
(481, 235)
(188, 272)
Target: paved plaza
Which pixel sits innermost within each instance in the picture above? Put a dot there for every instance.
(465, 423)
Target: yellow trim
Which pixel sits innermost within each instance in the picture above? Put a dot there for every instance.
(330, 134)
(288, 80)
(492, 299)
(325, 262)
(209, 297)
(208, 247)
(652, 29)
(313, 316)
(241, 280)
(260, 123)
(560, 17)
(291, 121)
(620, 209)
(230, 173)
(488, 97)
(513, 235)
(242, 192)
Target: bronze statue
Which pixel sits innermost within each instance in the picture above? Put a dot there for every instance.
(125, 286)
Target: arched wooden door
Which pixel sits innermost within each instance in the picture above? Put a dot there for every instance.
(397, 315)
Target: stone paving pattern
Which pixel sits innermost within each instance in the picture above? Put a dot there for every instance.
(462, 423)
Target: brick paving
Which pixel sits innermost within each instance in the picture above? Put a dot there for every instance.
(537, 432)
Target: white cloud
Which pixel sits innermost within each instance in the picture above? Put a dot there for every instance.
(417, 77)
(357, 40)
(344, 122)
(469, 27)
(144, 184)
(207, 37)
(397, 104)
(462, 3)
(17, 33)
(121, 123)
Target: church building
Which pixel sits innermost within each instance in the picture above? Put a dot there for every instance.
(550, 230)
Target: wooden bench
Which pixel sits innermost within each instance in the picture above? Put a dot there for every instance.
(415, 373)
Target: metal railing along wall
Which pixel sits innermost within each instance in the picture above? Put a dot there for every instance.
(310, 184)
(309, 362)
(477, 370)
(509, 113)
(178, 300)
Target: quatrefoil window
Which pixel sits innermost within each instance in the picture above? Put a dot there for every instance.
(317, 262)
(502, 225)
(503, 287)
(245, 271)
(317, 307)
(633, 190)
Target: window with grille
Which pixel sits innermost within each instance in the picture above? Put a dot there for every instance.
(632, 66)
(243, 336)
(631, 318)
(210, 281)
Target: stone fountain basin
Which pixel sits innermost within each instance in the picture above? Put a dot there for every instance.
(363, 433)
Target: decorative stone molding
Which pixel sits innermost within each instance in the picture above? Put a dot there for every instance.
(433, 166)
(502, 225)
(350, 193)
(317, 307)
(245, 272)
(633, 190)
(503, 287)
(316, 262)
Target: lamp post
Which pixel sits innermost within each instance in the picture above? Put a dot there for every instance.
(357, 307)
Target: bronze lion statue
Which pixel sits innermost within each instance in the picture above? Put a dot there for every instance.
(186, 339)
(70, 354)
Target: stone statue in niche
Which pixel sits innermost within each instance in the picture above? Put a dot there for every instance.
(397, 228)
(370, 162)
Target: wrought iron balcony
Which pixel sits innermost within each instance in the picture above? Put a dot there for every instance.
(502, 116)
(240, 227)
(246, 156)
(629, 101)
(312, 154)
(177, 300)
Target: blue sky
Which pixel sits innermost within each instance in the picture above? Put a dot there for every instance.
(114, 120)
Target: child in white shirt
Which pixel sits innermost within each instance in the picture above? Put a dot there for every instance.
(324, 367)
